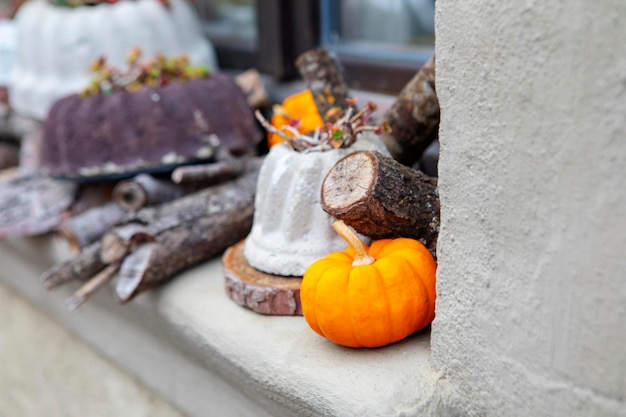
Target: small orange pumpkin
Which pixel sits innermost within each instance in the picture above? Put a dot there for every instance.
(370, 296)
(299, 110)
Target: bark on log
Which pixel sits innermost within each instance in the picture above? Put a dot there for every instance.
(154, 243)
(381, 198)
(208, 173)
(89, 226)
(120, 241)
(323, 75)
(80, 268)
(414, 117)
(33, 205)
(225, 166)
(144, 190)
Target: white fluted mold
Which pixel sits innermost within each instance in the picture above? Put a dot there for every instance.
(56, 45)
(290, 230)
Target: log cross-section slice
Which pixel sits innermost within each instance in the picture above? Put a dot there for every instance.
(258, 291)
(381, 198)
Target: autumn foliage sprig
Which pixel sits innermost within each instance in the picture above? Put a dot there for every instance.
(156, 72)
(340, 130)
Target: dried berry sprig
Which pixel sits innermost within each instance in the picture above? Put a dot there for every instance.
(340, 131)
(156, 72)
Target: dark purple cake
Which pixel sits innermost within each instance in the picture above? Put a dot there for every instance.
(153, 128)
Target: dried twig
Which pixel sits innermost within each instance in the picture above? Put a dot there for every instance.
(342, 132)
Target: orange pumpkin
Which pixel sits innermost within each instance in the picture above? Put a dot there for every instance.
(370, 296)
(299, 109)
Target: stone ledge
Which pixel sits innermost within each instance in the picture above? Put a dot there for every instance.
(207, 356)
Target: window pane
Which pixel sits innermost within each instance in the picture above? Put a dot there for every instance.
(396, 29)
(231, 21)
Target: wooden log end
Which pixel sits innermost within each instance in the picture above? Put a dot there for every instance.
(144, 190)
(349, 182)
(133, 271)
(120, 241)
(130, 195)
(258, 291)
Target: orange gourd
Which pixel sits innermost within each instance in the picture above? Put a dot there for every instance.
(370, 296)
(300, 111)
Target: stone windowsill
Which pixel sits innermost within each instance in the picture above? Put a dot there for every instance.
(207, 356)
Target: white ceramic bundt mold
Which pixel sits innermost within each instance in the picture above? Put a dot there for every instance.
(290, 230)
(56, 45)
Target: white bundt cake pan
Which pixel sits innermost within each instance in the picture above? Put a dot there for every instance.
(56, 45)
(290, 229)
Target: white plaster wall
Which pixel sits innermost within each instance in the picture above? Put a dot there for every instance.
(531, 309)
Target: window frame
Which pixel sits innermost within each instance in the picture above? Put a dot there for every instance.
(287, 28)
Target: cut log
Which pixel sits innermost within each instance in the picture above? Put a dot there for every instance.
(323, 75)
(32, 205)
(225, 166)
(155, 243)
(252, 86)
(120, 241)
(80, 268)
(381, 198)
(214, 172)
(144, 190)
(89, 226)
(414, 117)
(258, 291)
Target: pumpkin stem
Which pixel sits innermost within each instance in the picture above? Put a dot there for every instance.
(361, 257)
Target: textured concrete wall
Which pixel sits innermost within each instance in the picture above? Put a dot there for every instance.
(531, 309)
